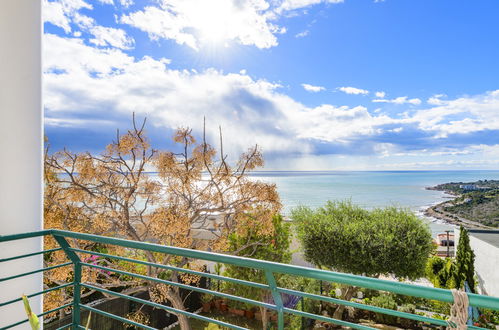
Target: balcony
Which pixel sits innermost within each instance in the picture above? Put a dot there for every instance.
(77, 261)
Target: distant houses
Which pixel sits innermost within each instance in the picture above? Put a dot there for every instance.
(471, 187)
(208, 226)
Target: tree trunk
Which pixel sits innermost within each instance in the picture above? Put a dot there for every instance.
(346, 294)
(264, 313)
(177, 303)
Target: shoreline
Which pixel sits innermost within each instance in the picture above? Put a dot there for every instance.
(437, 212)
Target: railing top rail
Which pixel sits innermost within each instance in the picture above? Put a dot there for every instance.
(355, 280)
(13, 237)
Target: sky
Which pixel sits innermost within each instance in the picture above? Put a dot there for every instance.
(317, 84)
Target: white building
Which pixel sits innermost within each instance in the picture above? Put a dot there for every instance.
(485, 245)
(209, 226)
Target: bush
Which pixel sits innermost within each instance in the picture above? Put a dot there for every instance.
(346, 238)
(385, 301)
(441, 272)
(407, 323)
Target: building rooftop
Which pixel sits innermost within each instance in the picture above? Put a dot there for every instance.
(489, 236)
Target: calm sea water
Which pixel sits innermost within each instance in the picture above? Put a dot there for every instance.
(369, 189)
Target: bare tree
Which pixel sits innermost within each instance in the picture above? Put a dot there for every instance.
(112, 194)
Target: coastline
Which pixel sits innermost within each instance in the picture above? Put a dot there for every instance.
(437, 211)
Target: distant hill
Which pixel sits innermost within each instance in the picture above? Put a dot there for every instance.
(476, 201)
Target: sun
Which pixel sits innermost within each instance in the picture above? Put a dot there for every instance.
(214, 21)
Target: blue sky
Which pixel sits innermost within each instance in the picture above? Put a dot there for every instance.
(319, 85)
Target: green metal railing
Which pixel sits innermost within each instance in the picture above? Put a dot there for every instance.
(270, 269)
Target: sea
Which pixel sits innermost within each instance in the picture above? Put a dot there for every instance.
(405, 189)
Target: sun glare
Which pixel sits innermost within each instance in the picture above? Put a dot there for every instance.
(214, 21)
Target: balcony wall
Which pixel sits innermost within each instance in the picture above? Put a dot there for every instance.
(20, 147)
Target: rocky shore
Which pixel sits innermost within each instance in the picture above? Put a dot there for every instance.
(437, 211)
(470, 199)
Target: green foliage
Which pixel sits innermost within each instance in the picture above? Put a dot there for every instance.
(407, 323)
(206, 298)
(33, 319)
(303, 284)
(407, 308)
(449, 274)
(465, 259)
(385, 301)
(488, 319)
(266, 247)
(441, 272)
(347, 238)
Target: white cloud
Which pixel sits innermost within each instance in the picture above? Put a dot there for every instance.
(353, 90)
(99, 84)
(60, 13)
(399, 100)
(72, 122)
(126, 3)
(461, 116)
(436, 99)
(302, 34)
(108, 83)
(63, 13)
(106, 36)
(192, 22)
(83, 21)
(72, 56)
(312, 88)
(380, 95)
(329, 123)
(287, 5)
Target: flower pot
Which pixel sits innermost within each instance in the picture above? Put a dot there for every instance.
(218, 303)
(249, 314)
(258, 316)
(223, 306)
(206, 307)
(235, 311)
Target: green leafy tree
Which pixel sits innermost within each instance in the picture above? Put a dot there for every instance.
(346, 238)
(465, 259)
(273, 247)
(441, 272)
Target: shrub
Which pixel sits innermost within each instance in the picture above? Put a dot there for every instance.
(385, 301)
(347, 238)
(407, 323)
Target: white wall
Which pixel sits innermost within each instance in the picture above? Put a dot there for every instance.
(20, 149)
(486, 265)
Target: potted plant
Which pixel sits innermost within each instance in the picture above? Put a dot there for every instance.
(217, 303)
(249, 313)
(236, 308)
(206, 301)
(223, 306)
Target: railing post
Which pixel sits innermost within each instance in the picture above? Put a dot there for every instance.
(302, 303)
(277, 298)
(77, 279)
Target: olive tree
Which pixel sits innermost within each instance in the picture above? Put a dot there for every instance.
(344, 237)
